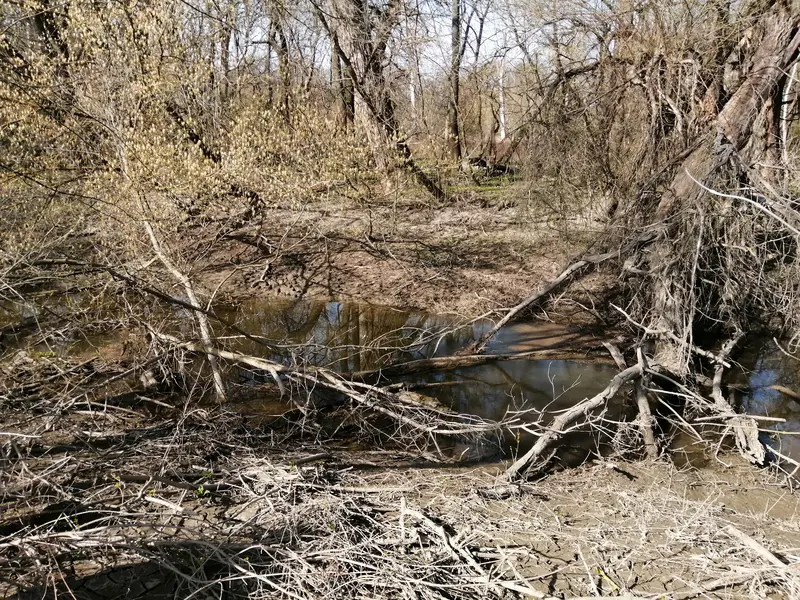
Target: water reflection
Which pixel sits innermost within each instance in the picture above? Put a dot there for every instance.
(349, 336)
(493, 389)
(354, 337)
(765, 366)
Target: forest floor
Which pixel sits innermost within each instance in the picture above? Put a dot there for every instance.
(469, 256)
(112, 491)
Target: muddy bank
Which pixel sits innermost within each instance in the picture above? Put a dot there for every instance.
(466, 258)
(229, 512)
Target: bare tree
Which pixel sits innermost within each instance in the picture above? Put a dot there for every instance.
(361, 35)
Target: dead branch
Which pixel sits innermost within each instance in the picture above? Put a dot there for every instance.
(448, 363)
(142, 286)
(479, 345)
(413, 410)
(745, 429)
(200, 316)
(645, 419)
(616, 355)
(786, 391)
(556, 429)
(755, 546)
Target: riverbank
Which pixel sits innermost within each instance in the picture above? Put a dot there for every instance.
(122, 476)
(200, 504)
(469, 256)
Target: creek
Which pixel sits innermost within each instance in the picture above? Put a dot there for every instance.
(350, 337)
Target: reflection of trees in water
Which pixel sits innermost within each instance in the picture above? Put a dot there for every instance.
(349, 336)
(490, 390)
(765, 365)
(541, 387)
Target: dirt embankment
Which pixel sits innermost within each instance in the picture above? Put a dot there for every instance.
(466, 258)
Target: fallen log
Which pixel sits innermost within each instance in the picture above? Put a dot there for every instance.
(448, 363)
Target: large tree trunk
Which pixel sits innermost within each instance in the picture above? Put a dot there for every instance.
(724, 154)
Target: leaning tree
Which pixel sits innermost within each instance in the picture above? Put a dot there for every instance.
(726, 223)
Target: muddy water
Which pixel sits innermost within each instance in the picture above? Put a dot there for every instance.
(354, 337)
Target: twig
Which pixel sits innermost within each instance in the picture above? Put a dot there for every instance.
(754, 546)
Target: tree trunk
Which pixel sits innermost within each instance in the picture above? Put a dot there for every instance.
(284, 70)
(453, 134)
(343, 78)
(726, 151)
(365, 66)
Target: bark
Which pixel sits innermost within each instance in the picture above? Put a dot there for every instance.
(225, 61)
(731, 130)
(453, 133)
(725, 152)
(343, 90)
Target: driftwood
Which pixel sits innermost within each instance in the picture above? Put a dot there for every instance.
(554, 432)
